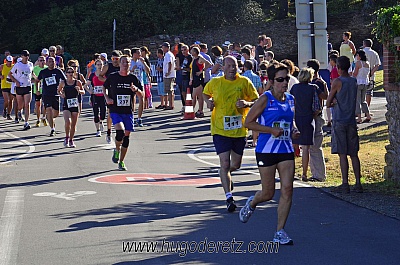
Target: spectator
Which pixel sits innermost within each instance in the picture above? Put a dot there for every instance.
(269, 56)
(362, 73)
(264, 43)
(207, 71)
(347, 48)
(183, 60)
(160, 79)
(345, 139)
(374, 63)
(246, 54)
(255, 79)
(217, 68)
(305, 94)
(293, 80)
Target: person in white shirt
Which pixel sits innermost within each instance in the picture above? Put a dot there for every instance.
(374, 62)
(169, 74)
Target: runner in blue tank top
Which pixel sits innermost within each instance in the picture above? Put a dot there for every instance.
(274, 111)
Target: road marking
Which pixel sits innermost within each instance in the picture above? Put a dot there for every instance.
(12, 151)
(64, 195)
(10, 226)
(217, 157)
(24, 154)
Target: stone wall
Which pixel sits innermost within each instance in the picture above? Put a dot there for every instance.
(392, 92)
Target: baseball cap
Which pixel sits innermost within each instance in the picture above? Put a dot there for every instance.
(197, 42)
(166, 44)
(45, 51)
(9, 58)
(226, 43)
(25, 53)
(103, 54)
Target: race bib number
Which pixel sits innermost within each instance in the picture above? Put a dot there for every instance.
(98, 90)
(50, 80)
(286, 130)
(123, 100)
(72, 103)
(232, 122)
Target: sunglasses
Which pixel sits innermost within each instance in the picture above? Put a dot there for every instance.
(115, 59)
(52, 50)
(74, 66)
(41, 60)
(281, 79)
(69, 72)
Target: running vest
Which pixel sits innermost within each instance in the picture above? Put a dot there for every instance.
(276, 114)
(71, 96)
(4, 73)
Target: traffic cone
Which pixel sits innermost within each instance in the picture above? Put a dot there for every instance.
(189, 110)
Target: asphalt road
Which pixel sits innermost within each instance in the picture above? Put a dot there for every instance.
(59, 207)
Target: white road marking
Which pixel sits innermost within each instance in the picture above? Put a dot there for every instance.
(24, 154)
(130, 179)
(13, 151)
(64, 195)
(10, 226)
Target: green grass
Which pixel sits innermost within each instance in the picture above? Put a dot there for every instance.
(378, 80)
(372, 156)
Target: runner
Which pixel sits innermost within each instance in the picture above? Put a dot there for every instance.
(51, 77)
(232, 95)
(6, 87)
(139, 68)
(272, 116)
(69, 90)
(38, 92)
(79, 76)
(119, 90)
(95, 87)
(21, 74)
(107, 70)
(58, 59)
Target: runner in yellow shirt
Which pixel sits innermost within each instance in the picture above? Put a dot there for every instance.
(229, 97)
(6, 86)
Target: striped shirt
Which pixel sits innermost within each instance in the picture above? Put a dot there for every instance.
(159, 75)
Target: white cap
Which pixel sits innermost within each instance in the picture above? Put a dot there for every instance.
(226, 43)
(45, 51)
(103, 54)
(9, 58)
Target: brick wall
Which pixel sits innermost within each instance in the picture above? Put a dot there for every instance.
(389, 78)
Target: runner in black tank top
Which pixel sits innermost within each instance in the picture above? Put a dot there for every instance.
(69, 91)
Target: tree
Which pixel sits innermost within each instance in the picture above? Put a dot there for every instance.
(283, 8)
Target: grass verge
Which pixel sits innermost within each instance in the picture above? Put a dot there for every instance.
(372, 156)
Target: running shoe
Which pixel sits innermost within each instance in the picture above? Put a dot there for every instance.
(71, 143)
(66, 144)
(199, 114)
(16, 120)
(26, 127)
(98, 134)
(168, 108)
(160, 107)
(44, 121)
(282, 238)
(9, 117)
(230, 205)
(115, 157)
(20, 116)
(140, 122)
(4, 114)
(37, 123)
(246, 212)
(108, 139)
(121, 166)
(52, 133)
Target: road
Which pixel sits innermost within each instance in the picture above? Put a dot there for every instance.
(72, 206)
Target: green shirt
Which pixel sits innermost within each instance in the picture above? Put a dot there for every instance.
(36, 71)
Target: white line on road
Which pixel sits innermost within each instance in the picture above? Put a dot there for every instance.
(10, 226)
(25, 142)
(16, 151)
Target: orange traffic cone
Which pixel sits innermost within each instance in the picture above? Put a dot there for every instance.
(189, 110)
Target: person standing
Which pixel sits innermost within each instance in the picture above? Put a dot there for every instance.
(51, 77)
(362, 74)
(160, 79)
(274, 110)
(374, 63)
(119, 90)
(345, 141)
(229, 97)
(347, 48)
(139, 68)
(264, 43)
(169, 75)
(21, 74)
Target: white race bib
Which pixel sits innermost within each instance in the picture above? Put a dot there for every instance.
(98, 90)
(232, 122)
(50, 80)
(123, 100)
(286, 130)
(72, 103)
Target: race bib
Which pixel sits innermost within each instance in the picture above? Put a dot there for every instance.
(137, 73)
(98, 90)
(286, 130)
(232, 122)
(123, 100)
(50, 80)
(72, 103)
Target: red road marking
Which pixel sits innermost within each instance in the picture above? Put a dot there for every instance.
(156, 179)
